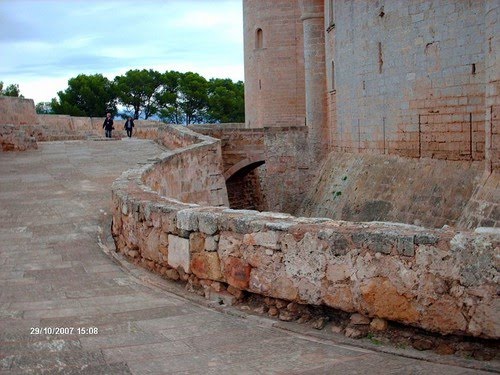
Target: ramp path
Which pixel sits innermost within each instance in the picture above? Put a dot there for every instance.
(67, 307)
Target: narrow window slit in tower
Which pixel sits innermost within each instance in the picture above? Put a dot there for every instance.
(380, 60)
(259, 39)
(473, 68)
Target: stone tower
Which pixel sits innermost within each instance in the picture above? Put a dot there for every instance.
(274, 63)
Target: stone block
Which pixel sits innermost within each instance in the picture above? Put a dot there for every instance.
(197, 242)
(178, 253)
(211, 244)
(380, 297)
(151, 249)
(358, 319)
(269, 239)
(208, 222)
(187, 220)
(236, 272)
(206, 265)
(405, 246)
(229, 244)
(426, 239)
(377, 242)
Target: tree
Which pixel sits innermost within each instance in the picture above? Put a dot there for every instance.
(226, 101)
(138, 89)
(86, 95)
(43, 108)
(193, 98)
(167, 98)
(11, 90)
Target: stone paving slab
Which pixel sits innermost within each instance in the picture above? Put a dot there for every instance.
(54, 274)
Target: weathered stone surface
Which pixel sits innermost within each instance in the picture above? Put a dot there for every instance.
(236, 272)
(305, 258)
(178, 253)
(378, 324)
(380, 298)
(208, 222)
(206, 265)
(187, 220)
(229, 244)
(211, 244)
(269, 239)
(152, 246)
(340, 297)
(197, 242)
(358, 319)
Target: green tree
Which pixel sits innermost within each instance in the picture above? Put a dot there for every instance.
(167, 98)
(138, 89)
(43, 108)
(193, 97)
(226, 101)
(11, 90)
(86, 95)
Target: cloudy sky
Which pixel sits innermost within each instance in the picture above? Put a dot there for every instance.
(44, 43)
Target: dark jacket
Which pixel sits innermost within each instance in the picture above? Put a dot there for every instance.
(129, 124)
(108, 124)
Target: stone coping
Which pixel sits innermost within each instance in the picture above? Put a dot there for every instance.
(440, 280)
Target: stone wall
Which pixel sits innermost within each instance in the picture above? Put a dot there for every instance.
(289, 171)
(399, 80)
(483, 208)
(492, 68)
(12, 138)
(440, 280)
(192, 172)
(408, 83)
(363, 187)
(17, 111)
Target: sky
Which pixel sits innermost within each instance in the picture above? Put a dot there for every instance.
(45, 43)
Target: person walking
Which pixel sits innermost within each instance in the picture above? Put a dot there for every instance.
(129, 125)
(108, 125)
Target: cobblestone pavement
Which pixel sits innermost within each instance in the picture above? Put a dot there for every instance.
(66, 307)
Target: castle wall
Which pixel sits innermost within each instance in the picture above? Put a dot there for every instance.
(17, 111)
(274, 69)
(492, 48)
(410, 78)
(440, 280)
(364, 187)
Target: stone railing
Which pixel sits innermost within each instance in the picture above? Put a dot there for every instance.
(439, 280)
(192, 172)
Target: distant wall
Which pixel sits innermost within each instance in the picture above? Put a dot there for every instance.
(17, 111)
(12, 138)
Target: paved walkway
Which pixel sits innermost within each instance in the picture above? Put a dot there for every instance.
(54, 275)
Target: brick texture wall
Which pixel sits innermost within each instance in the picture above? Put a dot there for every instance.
(410, 78)
(274, 71)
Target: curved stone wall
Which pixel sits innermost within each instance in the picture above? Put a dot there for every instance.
(440, 279)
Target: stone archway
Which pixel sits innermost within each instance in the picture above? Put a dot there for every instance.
(244, 186)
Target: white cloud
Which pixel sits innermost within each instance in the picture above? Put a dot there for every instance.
(44, 43)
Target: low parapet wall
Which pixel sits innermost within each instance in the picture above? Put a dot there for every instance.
(192, 172)
(440, 279)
